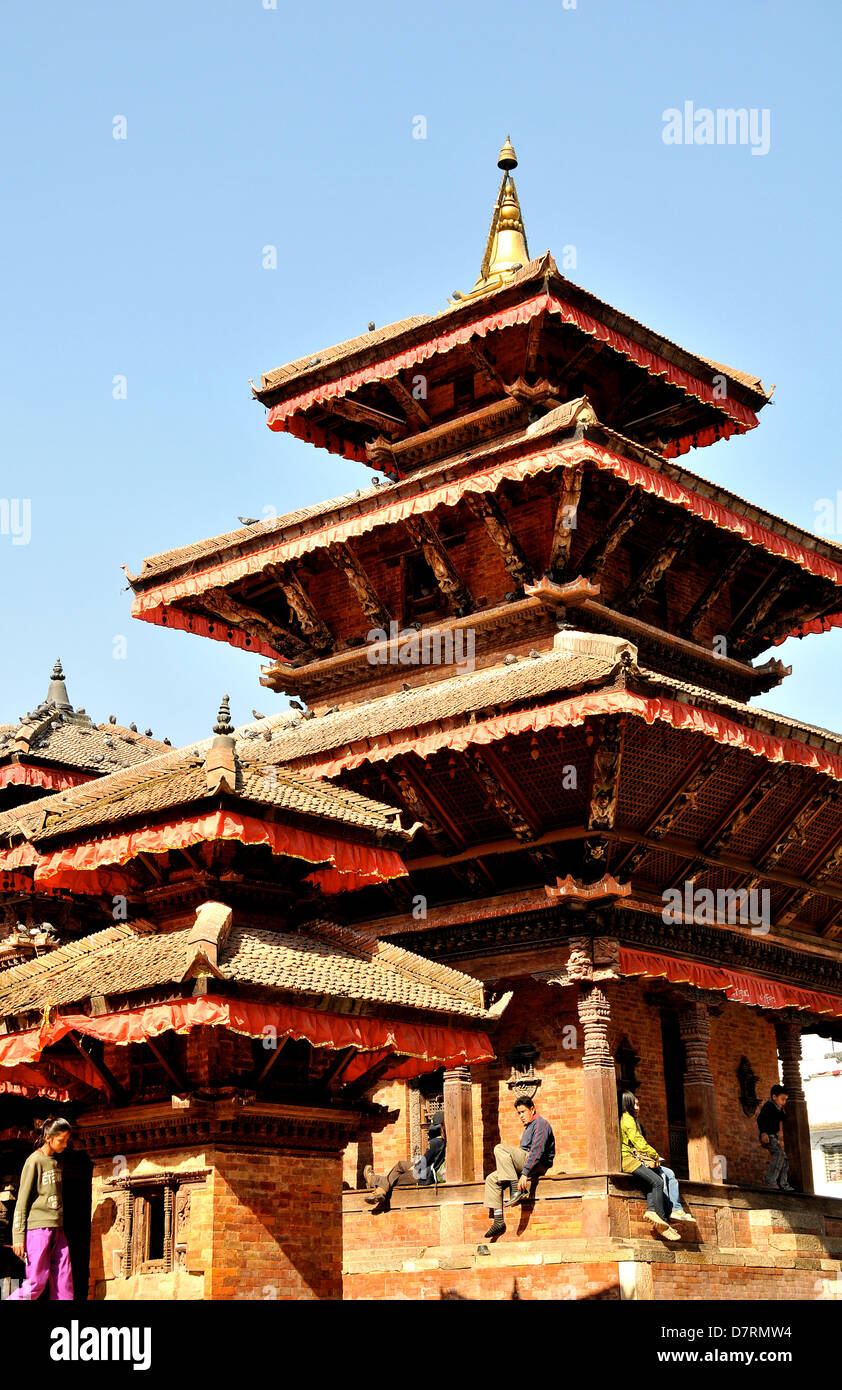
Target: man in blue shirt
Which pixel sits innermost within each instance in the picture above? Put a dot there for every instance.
(517, 1166)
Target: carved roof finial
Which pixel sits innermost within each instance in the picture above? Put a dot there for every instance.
(223, 723)
(57, 692)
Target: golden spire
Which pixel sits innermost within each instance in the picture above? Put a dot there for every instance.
(506, 249)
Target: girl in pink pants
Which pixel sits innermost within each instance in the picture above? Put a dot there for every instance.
(38, 1226)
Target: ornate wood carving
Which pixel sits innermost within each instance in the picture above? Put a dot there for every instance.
(709, 595)
(565, 518)
(369, 600)
(794, 834)
(694, 1026)
(738, 818)
(316, 632)
(752, 613)
(657, 565)
(236, 614)
(605, 788)
(788, 1035)
(498, 796)
(594, 1017)
(630, 511)
(523, 1080)
(683, 799)
(486, 507)
(447, 576)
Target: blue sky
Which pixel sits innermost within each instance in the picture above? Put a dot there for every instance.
(248, 126)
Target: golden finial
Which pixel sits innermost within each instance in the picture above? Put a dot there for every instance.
(506, 250)
(507, 159)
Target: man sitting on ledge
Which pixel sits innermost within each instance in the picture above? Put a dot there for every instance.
(516, 1166)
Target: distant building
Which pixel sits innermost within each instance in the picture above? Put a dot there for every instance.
(821, 1070)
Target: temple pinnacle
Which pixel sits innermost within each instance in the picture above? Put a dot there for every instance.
(57, 692)
(223, 723)
(506, 250)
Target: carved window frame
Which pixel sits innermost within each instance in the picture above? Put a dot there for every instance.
(132, 1195)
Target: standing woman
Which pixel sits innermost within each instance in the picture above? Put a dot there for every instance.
(38, 1227)
(639, 1159)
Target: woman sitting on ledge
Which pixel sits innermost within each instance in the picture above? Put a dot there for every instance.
(643, 1164)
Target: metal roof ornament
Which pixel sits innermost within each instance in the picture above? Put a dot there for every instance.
(506, 250)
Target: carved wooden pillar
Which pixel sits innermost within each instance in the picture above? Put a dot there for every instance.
(458, 1124)
(600, 1081)
(796, 1124)
(699, 1093)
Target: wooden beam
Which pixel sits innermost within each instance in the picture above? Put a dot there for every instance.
(447, 576)
(565, 521)
(337, 1066)
(604, 791)
(113, 1086)
(485, 365)
(709, 595)
(681, 798)
(737, 815)
(180, 1084)
(316, 632)
(343, 556)
(261, 1073)
(502, 793)
(415, 412)
(643, 585)
(428, 797)
(488, 510)
(760, 603)
(629, 511)
(237, 614)
(406, 793)
(363, 414)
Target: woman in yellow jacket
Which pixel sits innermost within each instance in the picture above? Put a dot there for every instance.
(639, 1160)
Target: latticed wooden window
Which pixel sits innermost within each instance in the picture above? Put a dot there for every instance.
(833, 1163)
(152, 1219)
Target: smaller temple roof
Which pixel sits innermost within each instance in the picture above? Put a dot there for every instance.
(179, 778)
(54, 733)
(323, 960)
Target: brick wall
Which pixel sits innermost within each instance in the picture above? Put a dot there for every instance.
(263, 1226)
(741, 1031)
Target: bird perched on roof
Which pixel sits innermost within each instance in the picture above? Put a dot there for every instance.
(112, 719)
(257, 715)
(333, 709)
(295, 704)
(148, 733)
(371, 326)
(249, 520)
(510, 597)
(133, 728)
(510, 659)
(406, 686)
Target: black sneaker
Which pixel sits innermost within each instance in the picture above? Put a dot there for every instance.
(516, 1198)
(785, 1187)
(496, 1228)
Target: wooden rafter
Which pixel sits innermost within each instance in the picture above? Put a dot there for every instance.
(629, 511)
(643, 584)
(822, 866)
(729, 825)
(502, 792)
(112, 1085)
(418, 418)
(334, 1072)
(261, 1073)
(405, 792)
(367, 1080)
(604, 792)
(171, 1071)
(343, 556)
(362, 414)
(488, 510)
(709, 595)
(239, 615)
(681, 798)
(447, 576)
(484, 365)
(427, 797)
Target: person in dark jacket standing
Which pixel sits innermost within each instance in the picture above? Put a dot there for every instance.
(424, 1170)
(517, 1165)
(769, 1123)
(38, 1225)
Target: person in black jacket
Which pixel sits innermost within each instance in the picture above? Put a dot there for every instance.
(424, 1170)
(769, 1123)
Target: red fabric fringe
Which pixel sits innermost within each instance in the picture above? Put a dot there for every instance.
(741, 988)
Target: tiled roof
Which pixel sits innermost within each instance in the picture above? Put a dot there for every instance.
(178, 780)
(323, 959)
(314, 365)
(235, 544)
(85, 747)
